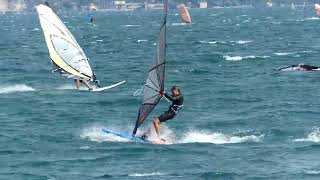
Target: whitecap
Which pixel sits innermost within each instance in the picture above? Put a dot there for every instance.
(131, 25)
(96, 134)
(141, 40)
(72, 87)
(239, 58)
(15, 88)
(283, 53)
(178, 24)
(146, 174)
(314, 136)
(218, 138)
(208, 42)
(312, 18)
(233, 58)
(243, 41)
(84, 147)
(312, 172)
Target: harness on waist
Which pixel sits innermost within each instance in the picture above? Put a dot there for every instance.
(178, 107)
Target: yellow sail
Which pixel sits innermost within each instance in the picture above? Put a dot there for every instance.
(66, 54)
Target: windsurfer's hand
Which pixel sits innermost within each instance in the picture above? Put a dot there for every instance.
(162, 93)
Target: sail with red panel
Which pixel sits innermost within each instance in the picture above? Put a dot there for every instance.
(154, 86)
(184, 14)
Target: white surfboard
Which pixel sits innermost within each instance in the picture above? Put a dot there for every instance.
(108, 87)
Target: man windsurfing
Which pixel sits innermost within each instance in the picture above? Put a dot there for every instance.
(176, 99)
(305, 67)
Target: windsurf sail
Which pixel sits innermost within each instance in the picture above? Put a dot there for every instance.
(154, 86)
(66, 55)
(184, 14)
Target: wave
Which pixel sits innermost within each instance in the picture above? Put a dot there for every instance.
(15, 88)
(218, 138)
(239, 58)
(314, 136)
(146, 174)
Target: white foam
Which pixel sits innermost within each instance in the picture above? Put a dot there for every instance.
(84, 147)
(131, 25)
(239, 58)
(15, 88)
(312, 172)
(141, 40)
(96, 134)
(178, 24)
(146, 174)
(233, 58)
(312, 18)
(69, 87)
(243, 41)
(283, 53)
(208, 42)
(218, 138)
(314, 136)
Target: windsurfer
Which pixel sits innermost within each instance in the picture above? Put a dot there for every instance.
(92, 19)
(305, 67)
(177, 101)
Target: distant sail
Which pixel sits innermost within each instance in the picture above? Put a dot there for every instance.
(154, 87)
(184, 14)
(66, 55)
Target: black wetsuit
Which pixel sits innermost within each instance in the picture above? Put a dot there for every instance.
(174, 108)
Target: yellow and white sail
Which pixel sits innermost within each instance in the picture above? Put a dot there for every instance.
(66, 55)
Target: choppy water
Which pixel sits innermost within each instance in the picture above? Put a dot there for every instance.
(241, 119)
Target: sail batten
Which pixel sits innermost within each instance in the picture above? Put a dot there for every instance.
(66, 54)
(154, 86)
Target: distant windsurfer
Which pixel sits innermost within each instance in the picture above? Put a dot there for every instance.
(92, 19)
(299, 67)
(305, 67)
(176, 98)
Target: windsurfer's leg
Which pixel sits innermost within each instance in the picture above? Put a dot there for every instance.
(77, 82)
(156, 124)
